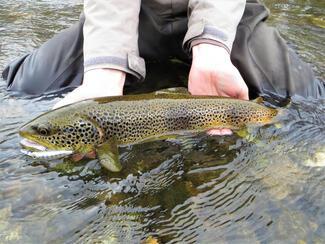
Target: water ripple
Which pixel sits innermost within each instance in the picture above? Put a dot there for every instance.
(267, 186)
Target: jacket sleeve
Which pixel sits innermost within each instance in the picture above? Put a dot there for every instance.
(213, 21)
(111, 36)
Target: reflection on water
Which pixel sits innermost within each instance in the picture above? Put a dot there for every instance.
(267, 185)
(302, 23)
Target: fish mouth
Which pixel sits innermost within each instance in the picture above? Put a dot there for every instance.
(32, 146)
(37, 151)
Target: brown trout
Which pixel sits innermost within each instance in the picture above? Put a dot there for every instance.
(98, 126)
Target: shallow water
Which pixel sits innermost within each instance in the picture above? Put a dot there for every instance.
(267, 186)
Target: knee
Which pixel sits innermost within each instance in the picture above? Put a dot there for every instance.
(26, 77)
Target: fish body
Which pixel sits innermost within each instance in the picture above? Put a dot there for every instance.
(103, 124)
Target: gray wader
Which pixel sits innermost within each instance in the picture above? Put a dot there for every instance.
(262, 57)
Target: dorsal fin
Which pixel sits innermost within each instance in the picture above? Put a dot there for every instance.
(174, 90)
(259, 100)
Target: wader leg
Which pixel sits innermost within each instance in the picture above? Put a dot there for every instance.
(57, 64)
(260, 54)
(266, 62)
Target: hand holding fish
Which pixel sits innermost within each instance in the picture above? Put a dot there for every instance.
(97, 83)
(212, 73)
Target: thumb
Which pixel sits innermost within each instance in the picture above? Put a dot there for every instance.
(71, 97)
(242, 92)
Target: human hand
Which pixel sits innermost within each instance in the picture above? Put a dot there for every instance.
(212, 73)
(96, 83)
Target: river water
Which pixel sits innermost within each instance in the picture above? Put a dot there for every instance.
(265, 186)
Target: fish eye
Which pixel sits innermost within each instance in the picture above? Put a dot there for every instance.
(43, 130)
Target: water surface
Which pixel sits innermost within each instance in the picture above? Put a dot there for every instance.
(267, 186)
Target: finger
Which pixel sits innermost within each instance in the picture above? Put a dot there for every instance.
(59, 104)
(68, 99)
(219, 132)
(214, 132)
(243, 91)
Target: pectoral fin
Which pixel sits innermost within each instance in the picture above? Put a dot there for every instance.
(109, 157)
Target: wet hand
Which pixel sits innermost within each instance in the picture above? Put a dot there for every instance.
(96, 83)
(212, 73)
